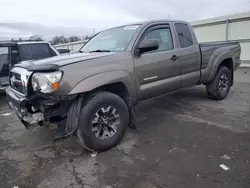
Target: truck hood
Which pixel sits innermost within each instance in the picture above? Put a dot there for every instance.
(60, 61)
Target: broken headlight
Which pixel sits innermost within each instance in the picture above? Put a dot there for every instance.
(46, 82)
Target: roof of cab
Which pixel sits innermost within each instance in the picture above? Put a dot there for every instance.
(13, 43)
(147, 22)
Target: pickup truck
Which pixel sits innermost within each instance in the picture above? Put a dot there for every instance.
(13, 52)
(92, 94)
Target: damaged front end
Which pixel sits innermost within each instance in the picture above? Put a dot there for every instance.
(41, 109)
(30, 97)
(18, 105)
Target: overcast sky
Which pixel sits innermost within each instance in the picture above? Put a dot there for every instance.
(54, 17)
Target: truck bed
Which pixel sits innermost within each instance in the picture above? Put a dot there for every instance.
(209, 48)
(209, 52)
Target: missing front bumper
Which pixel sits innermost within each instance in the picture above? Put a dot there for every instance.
(18, 104)
(46, 110)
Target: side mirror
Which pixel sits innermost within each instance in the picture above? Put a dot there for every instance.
(148, 45)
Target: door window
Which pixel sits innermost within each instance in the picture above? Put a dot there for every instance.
(14, 55)
(184, 35)
(164, 38)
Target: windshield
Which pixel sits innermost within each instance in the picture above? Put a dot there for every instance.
(111, 40)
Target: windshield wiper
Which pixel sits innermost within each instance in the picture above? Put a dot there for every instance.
(99, 51)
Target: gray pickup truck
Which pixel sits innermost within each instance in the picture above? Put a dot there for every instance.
(91, 94)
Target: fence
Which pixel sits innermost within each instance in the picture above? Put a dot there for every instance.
(227, 28)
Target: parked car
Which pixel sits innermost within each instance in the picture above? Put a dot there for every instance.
(12, 53)
(92, 94)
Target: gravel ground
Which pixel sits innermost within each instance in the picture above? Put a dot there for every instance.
(181, 141)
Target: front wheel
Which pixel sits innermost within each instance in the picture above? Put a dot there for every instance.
(103, 121)
(218, 89)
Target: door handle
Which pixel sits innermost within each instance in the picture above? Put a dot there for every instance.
(174, 58)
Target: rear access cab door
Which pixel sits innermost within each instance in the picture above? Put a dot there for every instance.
(190, 57)
(158, 71)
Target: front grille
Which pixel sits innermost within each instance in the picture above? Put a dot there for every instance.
(19, 80)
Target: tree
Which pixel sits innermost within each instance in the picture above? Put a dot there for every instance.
(74, 38)
(55, 40)
(61, 39)
(58, 40)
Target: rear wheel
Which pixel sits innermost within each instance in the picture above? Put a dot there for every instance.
(218, 89)
(103, 121)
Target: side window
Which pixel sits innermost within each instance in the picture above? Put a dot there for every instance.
(14, 55)
(184, 35)
(164, 38)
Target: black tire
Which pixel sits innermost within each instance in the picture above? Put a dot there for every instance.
(93, 103)
(214, 90)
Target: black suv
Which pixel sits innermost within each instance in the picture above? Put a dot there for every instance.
(13, 52)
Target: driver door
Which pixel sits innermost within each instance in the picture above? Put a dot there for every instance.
(158, 71)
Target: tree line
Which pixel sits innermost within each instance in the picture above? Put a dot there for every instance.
(57, 39)
(62, 39)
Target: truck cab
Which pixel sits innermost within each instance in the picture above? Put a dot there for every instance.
(12, 53)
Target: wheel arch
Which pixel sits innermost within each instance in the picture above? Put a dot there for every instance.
(224, 59)
(118, 88)
(117, 82)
